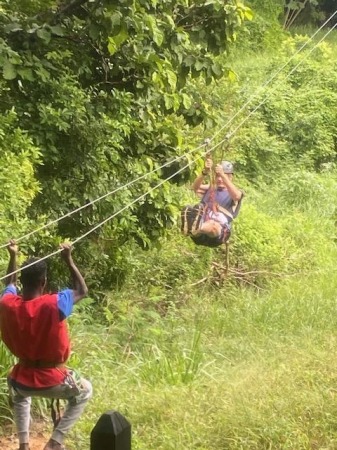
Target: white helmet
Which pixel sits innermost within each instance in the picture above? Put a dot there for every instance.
(227, 167)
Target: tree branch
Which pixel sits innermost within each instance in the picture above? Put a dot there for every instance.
(66, 8)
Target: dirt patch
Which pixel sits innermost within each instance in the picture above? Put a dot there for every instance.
(39, 435)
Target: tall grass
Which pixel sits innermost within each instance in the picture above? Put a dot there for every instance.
(194, 365)
(6, 361)
(255, 371)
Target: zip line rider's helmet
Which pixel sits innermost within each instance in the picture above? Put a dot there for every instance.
(227, 167)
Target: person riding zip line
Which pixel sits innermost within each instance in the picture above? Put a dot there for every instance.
(33, 327)
(222, 201)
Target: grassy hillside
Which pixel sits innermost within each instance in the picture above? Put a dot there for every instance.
(249, 362)
(197, 360)
(230, 368)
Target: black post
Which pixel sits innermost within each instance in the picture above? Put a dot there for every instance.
(111, 432)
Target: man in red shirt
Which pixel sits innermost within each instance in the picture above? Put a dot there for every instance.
(33, 327)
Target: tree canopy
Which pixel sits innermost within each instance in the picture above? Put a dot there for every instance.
(100, 93)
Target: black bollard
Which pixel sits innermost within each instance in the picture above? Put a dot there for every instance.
(111, 432)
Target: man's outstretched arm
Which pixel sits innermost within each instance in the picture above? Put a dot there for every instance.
(198, 185)
(233, 191)
(11, 277)
(80, 289)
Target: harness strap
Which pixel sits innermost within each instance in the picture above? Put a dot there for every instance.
(185, 230)
(39, 364)
(55, 411)
(198, 217)
(225, 211)
(236, 204)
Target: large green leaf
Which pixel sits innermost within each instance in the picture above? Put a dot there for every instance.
(9, 71)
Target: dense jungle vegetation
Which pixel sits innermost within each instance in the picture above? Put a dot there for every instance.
(96, 94)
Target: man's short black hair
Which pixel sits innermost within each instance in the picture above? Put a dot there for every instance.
(33, 276)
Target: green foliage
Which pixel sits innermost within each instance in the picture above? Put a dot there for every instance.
(104, 91)
(160, 277)
(308, 192)
(264, 31)
(288, 13)
(303, 12)
(258, 357)
(288, 229)
(6, 361)
(292, 122)
(259, 241)
(18, 157)
(89, 111)
(306, 115)
(175, 366)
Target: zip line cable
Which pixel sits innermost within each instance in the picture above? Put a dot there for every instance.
(107, 219)
(159, 184)
(264, 85)
(70, 213)
(287, 76)
(137, 199)
(229, 135)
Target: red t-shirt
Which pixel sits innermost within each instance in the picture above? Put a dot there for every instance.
(34, 330)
